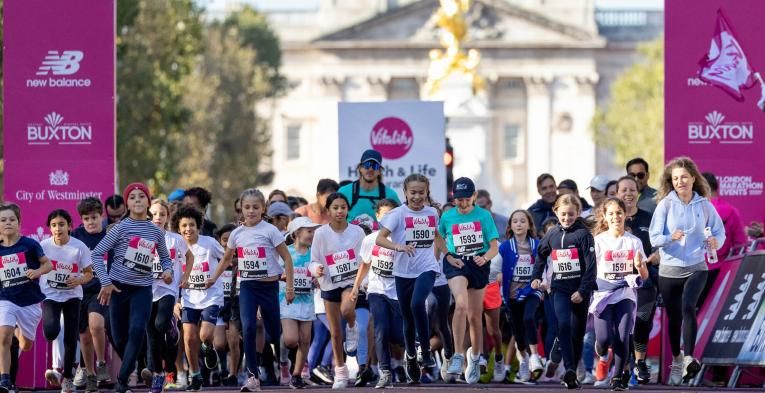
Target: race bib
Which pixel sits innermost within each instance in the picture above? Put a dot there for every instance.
(618, 263)
(523, 269)
(467, 238)
(61, 272)
(342, 266)
(302, 281)
(13, 270)
(252, 262)
(420, 231)
(157, 266)
(139, 255)
(382, 261)
(227, 278)
(565, 264)
(200, 273)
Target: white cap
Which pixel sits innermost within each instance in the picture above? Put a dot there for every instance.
(599, 183)
(300, 222)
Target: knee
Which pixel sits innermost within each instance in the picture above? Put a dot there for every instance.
(689, 309)
(51, 330)
(348, 310)
(291, 342)
(461, 306)
(25, 345)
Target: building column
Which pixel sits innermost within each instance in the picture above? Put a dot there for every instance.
(538, 131)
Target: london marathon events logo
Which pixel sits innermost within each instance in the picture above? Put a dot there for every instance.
(54, 131)
(392, 137)
(716, 129)
(56, 70)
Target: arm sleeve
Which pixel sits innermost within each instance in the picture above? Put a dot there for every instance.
(316, 249)
(366, 248)
(543, 251)
(588, 278)
(490, 226)
(85, 260)
(658, 223)
(97, 256)
(391, 220)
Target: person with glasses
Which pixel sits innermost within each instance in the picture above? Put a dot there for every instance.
(638, 169)
(364, 193)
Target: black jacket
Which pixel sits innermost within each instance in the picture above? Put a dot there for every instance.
(540, 211)
(576, 237)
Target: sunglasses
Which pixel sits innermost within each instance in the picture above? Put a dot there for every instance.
(371, 165)
(639, 175)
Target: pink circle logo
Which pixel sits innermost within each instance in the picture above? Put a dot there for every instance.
(392, 137)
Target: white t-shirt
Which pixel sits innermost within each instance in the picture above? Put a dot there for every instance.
(256, 251)
(68, 262)
(381, 261)
(615, 261)
(408, 226)
(207, 253)
(177, 248)
(339, 253)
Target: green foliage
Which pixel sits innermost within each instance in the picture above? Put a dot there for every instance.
(633, 123)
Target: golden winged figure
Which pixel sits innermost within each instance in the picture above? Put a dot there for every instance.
(451, 19)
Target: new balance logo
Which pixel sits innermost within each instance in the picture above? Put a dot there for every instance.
(65, 64)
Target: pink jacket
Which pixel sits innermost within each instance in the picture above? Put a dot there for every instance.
(734, 229)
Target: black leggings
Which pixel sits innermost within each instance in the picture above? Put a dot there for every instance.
(440, 319)
(160, 348)
(680, 297)
(613, 327)
(646, 307)
(572, 319)
(523, 320)
(51, 316)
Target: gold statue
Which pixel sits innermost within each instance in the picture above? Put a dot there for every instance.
(450, 17)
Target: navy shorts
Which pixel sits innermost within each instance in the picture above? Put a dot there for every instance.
(477, 276)
(334, 295)
(90, 304)
(194, 316)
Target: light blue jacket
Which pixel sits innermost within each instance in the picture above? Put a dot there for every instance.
(672, 214)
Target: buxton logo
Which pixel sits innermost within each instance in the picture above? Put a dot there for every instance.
(66, 63)
(717, 129)
(56, 131)
(59, 178)
(392, 137)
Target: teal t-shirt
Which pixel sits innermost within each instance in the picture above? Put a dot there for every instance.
(366, 206)
(302, 277)
(468, 234)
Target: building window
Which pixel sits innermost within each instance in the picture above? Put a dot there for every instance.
(293, 141)
(511, 135)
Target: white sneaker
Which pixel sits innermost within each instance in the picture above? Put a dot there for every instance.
(691, 367)
(351, 339)
(182, 380)
(252, 385)
(67, 386)
(133, 379)
(536, 366)
(445, 370)
(80, 377)
(53, 377)
(499, 370)
(524, 374)
(588, 379)
(473, 369)
(341, 378)
(675, 373)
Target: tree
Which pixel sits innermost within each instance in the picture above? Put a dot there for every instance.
(633, 122)
(226, 141)
(157, 45)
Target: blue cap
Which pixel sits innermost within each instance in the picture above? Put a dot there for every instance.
(176, 195)
(279, 208)
(371, 155)
(463, 188)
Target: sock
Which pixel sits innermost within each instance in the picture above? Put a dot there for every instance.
(395, 363)
(14, 360)
(195, 374)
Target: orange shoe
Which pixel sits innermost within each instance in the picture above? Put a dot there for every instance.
(601, 370)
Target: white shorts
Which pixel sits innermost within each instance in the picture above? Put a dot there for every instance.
(26, 318)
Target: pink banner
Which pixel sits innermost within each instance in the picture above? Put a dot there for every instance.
(708, 122)
(59, 116)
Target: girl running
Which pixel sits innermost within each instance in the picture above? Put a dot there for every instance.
(572, 250)
(379, 265)
(620, 259)
(162, 340)
(517, 255)
(412, 231)
(678, 228)
(471, 241)
(62, 287)
(127, 286)
(297, 317)
(258, 246)
(335, 262)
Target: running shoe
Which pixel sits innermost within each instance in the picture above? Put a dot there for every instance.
(385, 380)
(196, 383)
(147, 377)
(601, 369)
(102, 374)
(691, 367)
(341, 378)
(91, 384)
(524, 374)
(285, 376)
(455, 367)
(80, 377)
(675, 373)
(67, 386)
(252, 384)
(412, 369)
(642, 372)
(296, 382)
(536, 367)
(473, 369)
(570, 380)
(366, 376)
(156, 383)
(322, 374)
(445, 371)
(53, 377)
(210, 356)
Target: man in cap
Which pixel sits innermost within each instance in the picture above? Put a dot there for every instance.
(597, 187)
(569, 186)
(364, 193)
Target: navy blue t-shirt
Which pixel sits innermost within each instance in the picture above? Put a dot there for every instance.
(91, 240)
(15, 287)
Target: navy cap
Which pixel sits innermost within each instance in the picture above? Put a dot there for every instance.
(279, 208)
(569, 184)
(463, 188)
(371, 155)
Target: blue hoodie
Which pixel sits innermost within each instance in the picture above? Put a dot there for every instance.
(672, 214)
